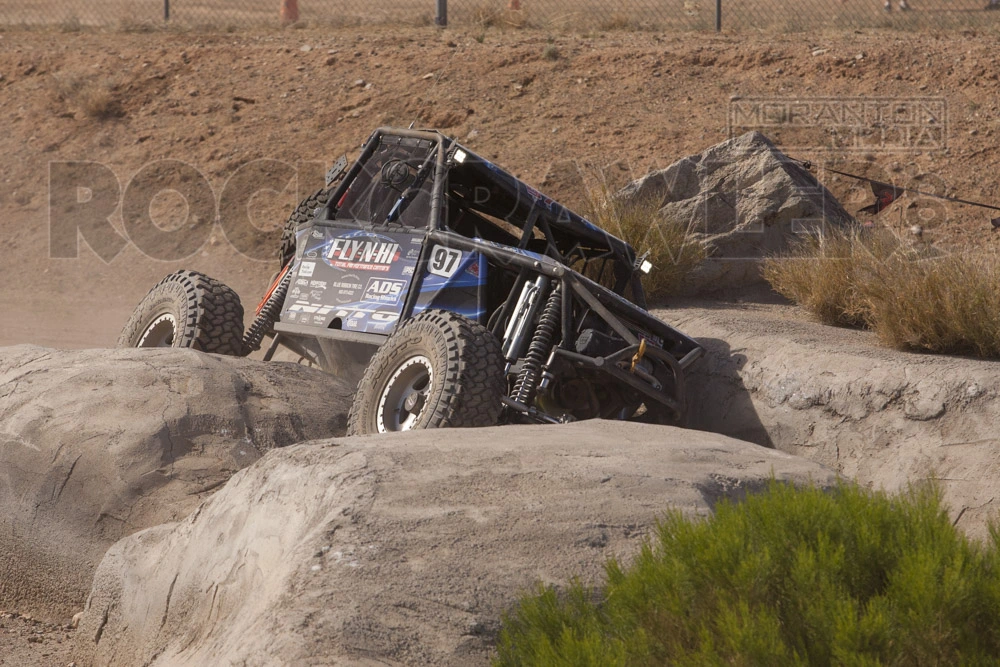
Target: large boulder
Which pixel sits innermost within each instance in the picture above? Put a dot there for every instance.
(402, 549)
(743, 200)
(97, 444)
(883, 418)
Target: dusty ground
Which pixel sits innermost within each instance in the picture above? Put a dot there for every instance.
(302, 97)
(24, 641)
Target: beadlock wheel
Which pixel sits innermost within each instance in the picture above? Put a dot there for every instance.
(438, 370)
(160, 332)
(187, 309)
(405, 395)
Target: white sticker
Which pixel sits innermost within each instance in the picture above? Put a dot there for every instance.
(306, 270)
(444, 261)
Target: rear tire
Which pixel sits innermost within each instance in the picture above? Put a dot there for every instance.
(187, 309)
(303, 213)
(438, 370)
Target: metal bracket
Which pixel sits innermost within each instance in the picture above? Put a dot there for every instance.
(336, 171)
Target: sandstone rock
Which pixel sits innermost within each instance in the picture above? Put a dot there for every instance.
(882, 418)
(402, 549)
(97, 444)
(744, 200)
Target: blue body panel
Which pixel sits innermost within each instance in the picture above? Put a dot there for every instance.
(359, 280)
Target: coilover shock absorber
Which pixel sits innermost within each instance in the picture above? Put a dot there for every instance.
(538, 351)
(267, 313)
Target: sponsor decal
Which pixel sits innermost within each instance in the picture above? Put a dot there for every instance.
(347, 288)
(306, 270)
(302, 282)
(309, 309)
(384, 291)
(362, 253)
(540, 198)
(317, 284)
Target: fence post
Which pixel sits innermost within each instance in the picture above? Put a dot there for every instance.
(166, 10)
(441, 18)
(289, 11)
(718, 15)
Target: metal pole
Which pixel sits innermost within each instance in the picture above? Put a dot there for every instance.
(166, 10)
(718, 15)
(442, 13)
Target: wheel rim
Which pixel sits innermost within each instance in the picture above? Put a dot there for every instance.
(405, 395)
(160, 332)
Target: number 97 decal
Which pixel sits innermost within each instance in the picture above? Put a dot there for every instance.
(444, 261)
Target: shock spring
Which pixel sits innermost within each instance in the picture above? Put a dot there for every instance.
(538, 351)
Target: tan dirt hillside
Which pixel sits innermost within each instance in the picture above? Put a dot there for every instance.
(547, 106)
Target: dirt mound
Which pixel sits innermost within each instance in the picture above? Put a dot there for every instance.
(97, 444)
(744, 200)
(230, 105)
(880, 417)
(402, 549)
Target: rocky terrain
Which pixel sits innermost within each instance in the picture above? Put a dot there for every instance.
(163, 494)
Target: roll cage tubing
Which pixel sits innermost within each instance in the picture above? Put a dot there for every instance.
(679, 351)
(537, 211)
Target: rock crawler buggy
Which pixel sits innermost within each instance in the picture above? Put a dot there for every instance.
(463, 296)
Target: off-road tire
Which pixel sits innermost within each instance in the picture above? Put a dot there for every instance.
(304, 212)
(467, 384)
(205, 315)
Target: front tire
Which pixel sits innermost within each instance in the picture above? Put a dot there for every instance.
(438, 370)
(187, 309)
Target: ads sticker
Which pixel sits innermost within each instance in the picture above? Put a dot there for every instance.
(384, 291)
(306, 270)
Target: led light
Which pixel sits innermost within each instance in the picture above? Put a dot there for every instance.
(460, 156)
(646, 266)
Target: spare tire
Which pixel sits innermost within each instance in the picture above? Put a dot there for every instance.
(187, 309)
(303, 213)
(438, 370)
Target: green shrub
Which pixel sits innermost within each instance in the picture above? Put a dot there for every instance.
(787, 577)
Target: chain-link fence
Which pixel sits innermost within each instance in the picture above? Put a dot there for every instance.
(729, 15)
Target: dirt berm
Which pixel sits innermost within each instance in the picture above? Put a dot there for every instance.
(880, 417)
(97, 444)
(402, 549)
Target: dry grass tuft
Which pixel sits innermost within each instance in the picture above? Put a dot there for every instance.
(617, 21)
(911, 299)
(95, 98)
(671, 248)
(497, 14)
